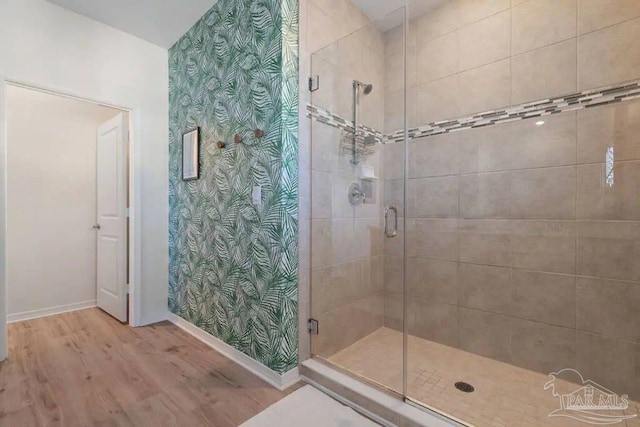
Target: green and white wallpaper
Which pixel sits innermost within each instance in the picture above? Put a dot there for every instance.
(233, 265)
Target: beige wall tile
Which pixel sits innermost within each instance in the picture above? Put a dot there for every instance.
(618, 47)
(485, 41)
(373, 274)
(594, 358)
(484, 287)
(437, 100)
(371, 37)
(433, 321)
(347, 16)
(474, 10)
(552, 144)
(483, 333)
(393, 313)
(468, 150)
(362, 317)
(433, 197)
(394, 72)
(394, 274)
(437, 58)
(544, 297)
(347, 284)
(485, 195)
(598, 200)
(487, 149)
(393, 40)
(355, 238)
(544, 246)
(437, 22)
(434, 280)
(321, 243)
(547, 193)
(609, 249)
(393, 161)
(328, 94)
(322, 29)
(485, 88)
(596, 14)
(321, 194)
(609, 307)
(545, 73)
(433, 156)
(433, 238)
(539, 23)
(324, 146)
(485, 242)
(393, 67)
(321, 295)
(394, 194)
(614, 126)
(394, 111)
(541, 347)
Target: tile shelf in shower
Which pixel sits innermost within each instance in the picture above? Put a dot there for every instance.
(544, 107)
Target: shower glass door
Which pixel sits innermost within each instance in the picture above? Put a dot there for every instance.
(523, 215)
(357, 191)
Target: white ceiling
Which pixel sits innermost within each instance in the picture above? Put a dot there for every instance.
(161, 22)
(381, 11)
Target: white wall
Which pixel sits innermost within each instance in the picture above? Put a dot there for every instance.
(51, 201)
(47, 46)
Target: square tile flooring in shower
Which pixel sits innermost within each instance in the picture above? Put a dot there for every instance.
(504, 395)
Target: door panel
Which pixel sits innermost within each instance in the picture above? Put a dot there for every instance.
(357, 207)
(111, 223)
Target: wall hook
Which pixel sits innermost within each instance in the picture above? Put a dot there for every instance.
(258, 133)
(237, 139)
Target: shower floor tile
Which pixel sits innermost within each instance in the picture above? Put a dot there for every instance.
(505, 395)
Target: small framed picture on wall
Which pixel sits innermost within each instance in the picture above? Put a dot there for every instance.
(191, 155)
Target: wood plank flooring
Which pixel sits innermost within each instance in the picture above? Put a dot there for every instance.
(86, 369)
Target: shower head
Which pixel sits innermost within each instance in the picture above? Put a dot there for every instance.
(366, 87)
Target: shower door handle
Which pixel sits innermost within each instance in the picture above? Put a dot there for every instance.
(386, 221)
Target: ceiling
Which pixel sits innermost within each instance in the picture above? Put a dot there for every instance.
(381, 11)
(161, 22)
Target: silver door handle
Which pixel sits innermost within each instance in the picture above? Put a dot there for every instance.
(386, 221)
(96, 226)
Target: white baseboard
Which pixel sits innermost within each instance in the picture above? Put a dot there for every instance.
(51, 311)
(279, 381)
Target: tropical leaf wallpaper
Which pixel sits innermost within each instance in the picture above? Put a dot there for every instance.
(233, 265)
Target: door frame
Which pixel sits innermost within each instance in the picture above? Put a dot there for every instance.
(135, 192)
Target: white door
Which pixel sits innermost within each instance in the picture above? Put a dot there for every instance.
(111, 225)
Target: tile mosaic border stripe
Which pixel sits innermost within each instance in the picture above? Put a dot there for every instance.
(585, 99)
(327, 117)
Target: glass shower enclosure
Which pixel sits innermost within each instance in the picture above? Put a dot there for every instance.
(475, 219)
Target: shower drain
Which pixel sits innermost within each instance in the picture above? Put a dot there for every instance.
(466, 387)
